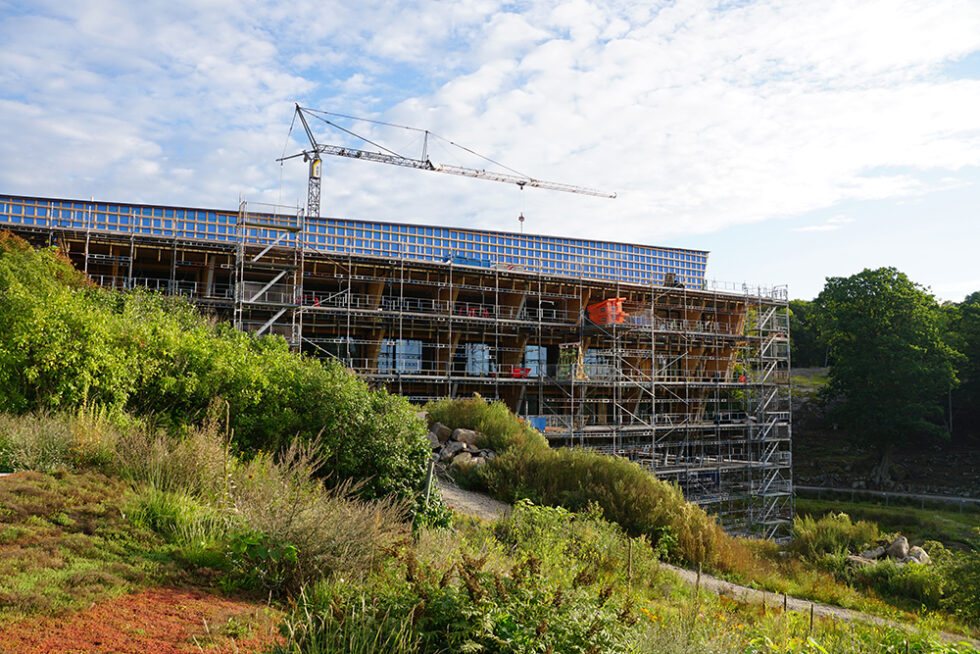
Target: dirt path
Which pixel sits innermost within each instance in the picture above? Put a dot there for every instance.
(476, 505)
(479, 505)
(154, 621)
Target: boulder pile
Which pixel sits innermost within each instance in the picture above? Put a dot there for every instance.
(456, 447)
(897, 551)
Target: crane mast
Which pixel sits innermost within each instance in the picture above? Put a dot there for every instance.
(314, 154)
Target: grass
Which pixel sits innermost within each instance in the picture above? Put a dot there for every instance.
(950, 527)
(65, 541)
(184, 507)
(547, 580)
(832, 533)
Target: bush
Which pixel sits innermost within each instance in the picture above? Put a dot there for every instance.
(627, 494)
(833, 533)
(466, 608)
(961, 575)
(923, 584)
(501, 429)
(65, 344)
(274, 523)
(282, 504)
(575, 479)
(579, 546)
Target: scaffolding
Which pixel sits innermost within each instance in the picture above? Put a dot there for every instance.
(269, 256)
(693, 384)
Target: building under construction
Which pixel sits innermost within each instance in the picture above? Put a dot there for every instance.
(623, 348)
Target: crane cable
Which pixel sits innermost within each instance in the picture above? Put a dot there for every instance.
(414, 129)
(366, 140)
(284, 146)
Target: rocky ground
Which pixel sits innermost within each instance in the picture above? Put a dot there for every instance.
(457, 447)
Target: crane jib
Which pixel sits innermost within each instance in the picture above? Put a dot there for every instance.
(392, 158)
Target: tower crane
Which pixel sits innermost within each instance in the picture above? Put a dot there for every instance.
(313, 155)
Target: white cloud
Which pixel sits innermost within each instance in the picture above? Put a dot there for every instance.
(700, 117)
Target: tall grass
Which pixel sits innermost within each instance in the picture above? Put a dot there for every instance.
(501, 429)
(333, 532)
(833, 533)
(353, 629)
(575, 479)
(46, 441)
(197, 493)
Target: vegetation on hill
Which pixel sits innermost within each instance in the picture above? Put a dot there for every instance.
(65, 343)
(576, 478)
(815, 566)
(901, 365)
(167, 448)
(891, 366)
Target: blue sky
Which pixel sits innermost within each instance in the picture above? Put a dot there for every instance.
(795, 140)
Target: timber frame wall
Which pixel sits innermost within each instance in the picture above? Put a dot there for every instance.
(693, 384)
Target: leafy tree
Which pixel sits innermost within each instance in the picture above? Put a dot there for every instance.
(965, 335)
(891, 367)
(807, 348)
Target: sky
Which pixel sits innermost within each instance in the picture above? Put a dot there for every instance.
(795, 140)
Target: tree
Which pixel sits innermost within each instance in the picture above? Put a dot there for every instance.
(965, 335)
(807, 348)
(891, 368)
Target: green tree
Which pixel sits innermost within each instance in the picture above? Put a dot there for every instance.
(964, 331)
(807, 348)
(891, 368)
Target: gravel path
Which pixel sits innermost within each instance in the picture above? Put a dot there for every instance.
(477, 505)
(484, 507)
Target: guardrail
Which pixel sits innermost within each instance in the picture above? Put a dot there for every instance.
(922, 499)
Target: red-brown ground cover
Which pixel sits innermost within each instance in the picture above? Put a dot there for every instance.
(153, 621)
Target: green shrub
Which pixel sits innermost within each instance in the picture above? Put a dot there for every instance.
(627, 494)
(579, 546)
(961, 574)
(575, 479)
(923, 584)
(832, 534)
(501, 429)
(65, 344)
(331, 530)
(467, 608)
(263, 562)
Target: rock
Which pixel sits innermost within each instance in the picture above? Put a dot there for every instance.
(874, 552)
(911, 560)
(423, 415)
(441, 431)
(434, 441)
(462, 459)
(899, 549)
(859, 560)
(478, 461)
(919, 555)
(489, 455)
(467, 436)
(451, 449)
